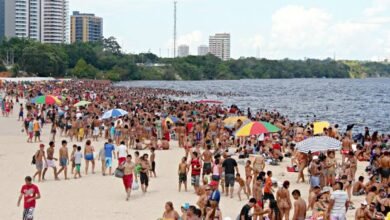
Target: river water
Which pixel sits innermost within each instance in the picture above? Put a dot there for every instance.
(365, 102)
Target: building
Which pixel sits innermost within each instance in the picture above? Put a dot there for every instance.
(41, 20)
(27, 19)
(85, 27)
(203, 50)
(54, 21)
(219, 45)
(183, 50)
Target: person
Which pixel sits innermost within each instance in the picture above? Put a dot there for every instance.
(128, 170)
(40, 157)
(77, 161)
(244, 214)
(299, 206)
(314, 170)
(122, 151)
(64, 159)
(88, 154)
(215, 195)
(283, 199)
(358, 187)
(109, 150)
(170, 213)
(182, 171)
(37, 130)
(268, 191)
(196, 167)
(372, 213)
(30, 193)
(242, 186)
(153, 162)
(207, 158)
(102, 158)
(230, 166)
(50, 161)
(144, 174)
(339, 203)
(361, 212)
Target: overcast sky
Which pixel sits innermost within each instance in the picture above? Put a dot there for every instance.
(277, 29)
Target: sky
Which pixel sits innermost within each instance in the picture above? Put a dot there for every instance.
(277, 29)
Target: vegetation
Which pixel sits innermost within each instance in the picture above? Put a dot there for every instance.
(105, 60)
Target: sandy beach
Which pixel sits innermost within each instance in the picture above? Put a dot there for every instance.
(98, 197)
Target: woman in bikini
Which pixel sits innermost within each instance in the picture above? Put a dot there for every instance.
(283, 200)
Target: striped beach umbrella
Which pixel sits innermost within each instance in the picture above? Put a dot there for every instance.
(256, 128)
(318, 144)
(46, 99)
(114, 113)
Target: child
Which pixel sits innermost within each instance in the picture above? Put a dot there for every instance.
(182, 171)
(241, 183)
(72, 157)
(77, 160)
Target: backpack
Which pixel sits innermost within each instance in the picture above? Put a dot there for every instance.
(33, 161)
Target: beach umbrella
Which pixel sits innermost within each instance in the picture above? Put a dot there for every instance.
(319, 127)
(203, 101)
(318, 144)
(114, 113)
(231, 121)
(171, 119)
(255, 128)
(46, 99)
(81, 103)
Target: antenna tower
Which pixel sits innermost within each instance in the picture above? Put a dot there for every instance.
(174, 29)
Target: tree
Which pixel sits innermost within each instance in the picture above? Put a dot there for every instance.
(111, 45)
(84, 70)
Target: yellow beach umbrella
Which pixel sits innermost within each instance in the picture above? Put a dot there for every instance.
(233, 120)
(319, 127)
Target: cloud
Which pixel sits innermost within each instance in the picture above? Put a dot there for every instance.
(377, 7)
(298, 32)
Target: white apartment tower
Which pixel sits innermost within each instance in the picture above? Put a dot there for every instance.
(54, 21)
(219, 45)
(27, 19)
(203, 50)
(183, 50)
(41, 20)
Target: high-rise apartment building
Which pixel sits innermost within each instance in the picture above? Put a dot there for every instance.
(203, 50)
(27, 19)
(54, 21)
(183, 50)
(85, 27)
(41, 20)
(219, 45)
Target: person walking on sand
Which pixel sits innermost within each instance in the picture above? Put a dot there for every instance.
(122, 151)
(40, 157)
(30, 193)
(88, 153)
(284, 201)
(196, 167)
(78, 156)
(144, 174)
(182, 171)
(37, 130)
(64, 159)
(338, 204)
(153, 162)
(299, 206)
(170, 212)
(109, 152)
(128, 168)
(50, 161)
(230, 167)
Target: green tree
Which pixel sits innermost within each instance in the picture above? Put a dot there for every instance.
(84, 70)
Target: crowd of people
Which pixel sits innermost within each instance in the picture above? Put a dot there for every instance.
(212, 154)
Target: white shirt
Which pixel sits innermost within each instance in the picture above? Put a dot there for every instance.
(340, 197)
(122, 151)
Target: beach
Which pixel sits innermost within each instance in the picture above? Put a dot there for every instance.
(102, 197)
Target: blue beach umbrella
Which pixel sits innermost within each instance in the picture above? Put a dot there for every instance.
(114, 113)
